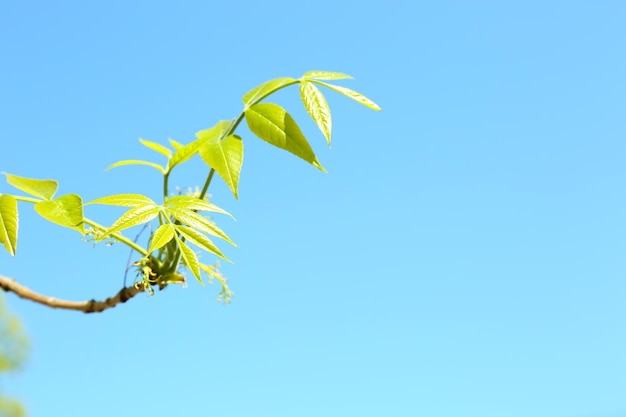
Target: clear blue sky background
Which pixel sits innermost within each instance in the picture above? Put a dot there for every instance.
(464, 255)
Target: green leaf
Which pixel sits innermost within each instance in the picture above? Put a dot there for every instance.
(317, 107)
(200, 240)
(199, 222)
(183, 154)
(133, 217)
(225, 157)
(175, 145)
(124, 200)
(215, 131)
(66, 211)
(137, 162)
(39, 188)
(8, 222)
(260, 92)
(156, 147)
(194, 203)
(187, 151)
(274, 125)
(190, 258)
(162, 236)
(326, 75)
(358, 97)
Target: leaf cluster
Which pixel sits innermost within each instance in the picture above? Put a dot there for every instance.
(180, 218)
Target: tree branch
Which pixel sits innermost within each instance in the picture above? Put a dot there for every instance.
(91, 306)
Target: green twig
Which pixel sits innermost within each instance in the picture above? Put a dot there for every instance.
(117, 236)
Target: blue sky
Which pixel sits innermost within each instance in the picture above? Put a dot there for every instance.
(463, 256)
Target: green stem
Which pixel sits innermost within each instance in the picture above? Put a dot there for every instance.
(166, 178)
(207, 183)
(236, 123)
(173, 266)
(27, 199)
(117, 236)
(269, 93)
(91, 223)
(227, 132)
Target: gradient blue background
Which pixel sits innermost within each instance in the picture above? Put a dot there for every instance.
(464, 255)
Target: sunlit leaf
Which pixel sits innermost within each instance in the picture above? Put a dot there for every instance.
(225, 157)
(187, 151)
(200, 240)
(317, 107)
(133, 217)
(8, 222)
(199, 222)
(194, 203)
(265, 89)
(358, 97)
(39, 188)
(137, 162)
(190, 258)
(326, 75)
(156, 147)
(162, 236)
(184, 153)
(175, 145)
(66, 211)
(124, 200)
(215, 131)
(274, 125)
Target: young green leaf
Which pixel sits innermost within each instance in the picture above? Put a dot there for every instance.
(358, 97)
(190, 258)
(162, 236)
(183, 154)
(317, 107)
(175, 145)
(187, 151)
(44, 189)
(137, 162)
(194, 203)
(8, 222)
(66, 211)
(274, 125)
(225, 157)
(260, 92)
(199, 222)
(156, 147)
(325, 75)
(216, 131)
(200, 241)
(133, 217)
(124, 200)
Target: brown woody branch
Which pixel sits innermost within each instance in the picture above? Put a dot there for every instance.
(91, 306)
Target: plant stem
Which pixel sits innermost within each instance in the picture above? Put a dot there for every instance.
(91, 223)
(117, 236)
(227, 132)
(166, 178)
(207, 183)
(27, 199)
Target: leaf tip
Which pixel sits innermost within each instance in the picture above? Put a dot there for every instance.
(319, 166)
